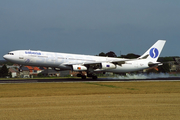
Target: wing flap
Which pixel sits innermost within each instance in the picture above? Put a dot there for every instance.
(83, 63)
(119, 62)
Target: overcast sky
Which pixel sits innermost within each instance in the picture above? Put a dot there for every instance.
(89, 26)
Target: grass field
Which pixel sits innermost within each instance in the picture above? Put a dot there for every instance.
(90, 100)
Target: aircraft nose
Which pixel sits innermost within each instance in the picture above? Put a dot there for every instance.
(5, 57)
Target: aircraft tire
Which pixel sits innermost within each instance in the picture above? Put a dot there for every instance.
(83, 77)
(94, 77)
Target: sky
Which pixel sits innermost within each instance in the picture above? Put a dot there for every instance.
(89, 26)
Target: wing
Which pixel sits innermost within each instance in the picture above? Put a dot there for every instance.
(116, 61)
(85, 63)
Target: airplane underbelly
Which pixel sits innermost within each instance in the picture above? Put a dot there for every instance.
(127, 68)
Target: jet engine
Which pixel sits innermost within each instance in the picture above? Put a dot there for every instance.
(79, 68)
(108, 66)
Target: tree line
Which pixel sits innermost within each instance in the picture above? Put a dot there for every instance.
(4, 72)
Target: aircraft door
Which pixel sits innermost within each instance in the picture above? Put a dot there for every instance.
(136, 64)
(21, 55)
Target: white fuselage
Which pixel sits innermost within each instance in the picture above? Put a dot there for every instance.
(61, 60)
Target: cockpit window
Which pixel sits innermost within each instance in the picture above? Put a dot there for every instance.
(10, 53)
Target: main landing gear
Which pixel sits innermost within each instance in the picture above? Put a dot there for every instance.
(20, 68)
(93, 76)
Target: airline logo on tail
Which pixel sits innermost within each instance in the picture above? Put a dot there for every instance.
(154, 52)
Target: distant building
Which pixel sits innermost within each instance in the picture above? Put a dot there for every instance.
(50, 72)
(14, 72)
(74, 73)
(174, 67)
(24, 73)
(177, 60)
(65, 73)
(34, 70)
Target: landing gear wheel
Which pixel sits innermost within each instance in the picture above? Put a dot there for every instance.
(20, 68)
(94, 77)
(83, 77)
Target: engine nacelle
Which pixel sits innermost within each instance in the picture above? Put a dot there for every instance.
(108, 66)
(79, 68)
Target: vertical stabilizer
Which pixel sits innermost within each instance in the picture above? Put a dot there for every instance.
(153, 52)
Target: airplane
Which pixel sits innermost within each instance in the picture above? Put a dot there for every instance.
(88, 63)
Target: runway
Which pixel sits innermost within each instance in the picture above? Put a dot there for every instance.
(85, 80)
